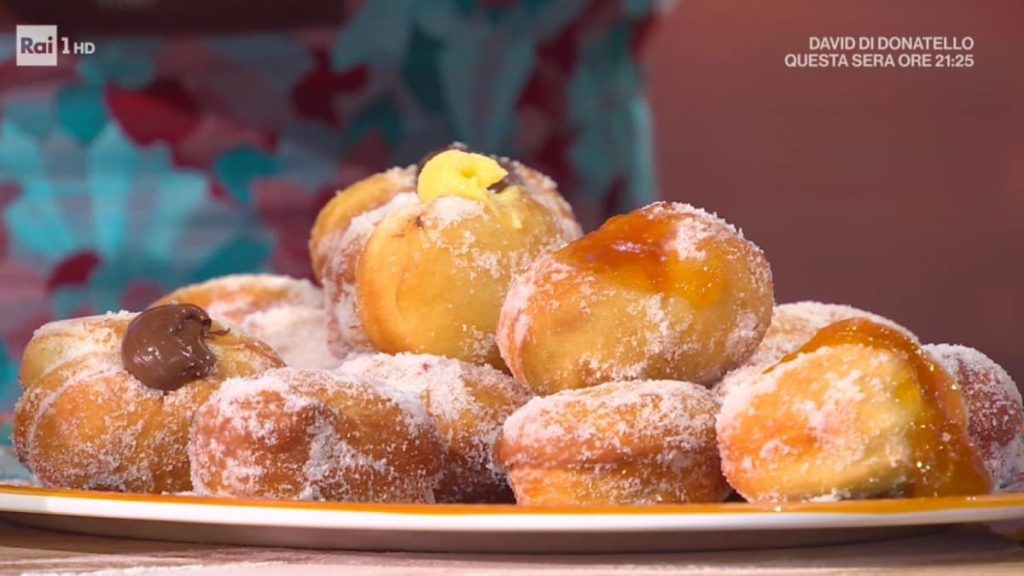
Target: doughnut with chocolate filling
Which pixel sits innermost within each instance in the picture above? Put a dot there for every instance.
(314, 435)
(859, 411)
(640, 442)
(665, 292)
(107, 401)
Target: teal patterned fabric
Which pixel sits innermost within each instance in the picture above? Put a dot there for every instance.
(158, 162)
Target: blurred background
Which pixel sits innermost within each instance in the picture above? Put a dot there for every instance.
(897, 191)
(202, 138)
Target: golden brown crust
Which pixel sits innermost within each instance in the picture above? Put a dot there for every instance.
(336, 246)
(451, 264)
(667, 291)
(433, 276)
(792, 325)
(467, 403)
(545, 192)
(335, 217)
(58, 342)
(822, 425)
(860, 411)
(994, 408)
(314, 435)
(636, 483)
(286, 313)
(617, 443)
(234, 298)
(84, 422)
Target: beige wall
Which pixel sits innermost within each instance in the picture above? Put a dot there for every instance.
(899, 191)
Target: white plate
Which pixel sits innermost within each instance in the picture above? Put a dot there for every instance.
(492, 528)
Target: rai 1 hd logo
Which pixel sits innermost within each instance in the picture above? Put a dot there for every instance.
(40, 45)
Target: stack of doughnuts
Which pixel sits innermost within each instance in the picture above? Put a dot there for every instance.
(469, 344)
(382, 385)
(107, 401)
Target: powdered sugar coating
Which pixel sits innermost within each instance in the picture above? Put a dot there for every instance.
(83, 325)
(619, 331)
(539, 282)
(995, 412)
(234, 297)
(458, 233)
(98, 461)
(827, 434)
(664, 208)
(433, 275)
(694, 226)
(286, 313)
(446, 211)
(297, 333)
(415, 374)
(314, 435)
(635, 442)
(62, 341)
(841, 388)
(791, 327)
(85, 422)
(544, 190)
(467, 402)
(664, 419)
(837, 422)
(452, 226)
(343, 249)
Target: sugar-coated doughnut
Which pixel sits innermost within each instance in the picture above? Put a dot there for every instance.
(792, 325)
(336, 245)
(314, 435)
(286, 313)
(859, 411)
(995, 413)
(419, 259)
(665, 292)
(638, 442)
(467, 403)
(108, 400)
(433, 275)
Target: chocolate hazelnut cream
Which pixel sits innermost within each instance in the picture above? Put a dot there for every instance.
(165, 347)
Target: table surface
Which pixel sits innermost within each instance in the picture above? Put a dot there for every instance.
(959, 550)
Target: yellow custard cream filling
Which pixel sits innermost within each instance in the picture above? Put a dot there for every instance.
(470, 176)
